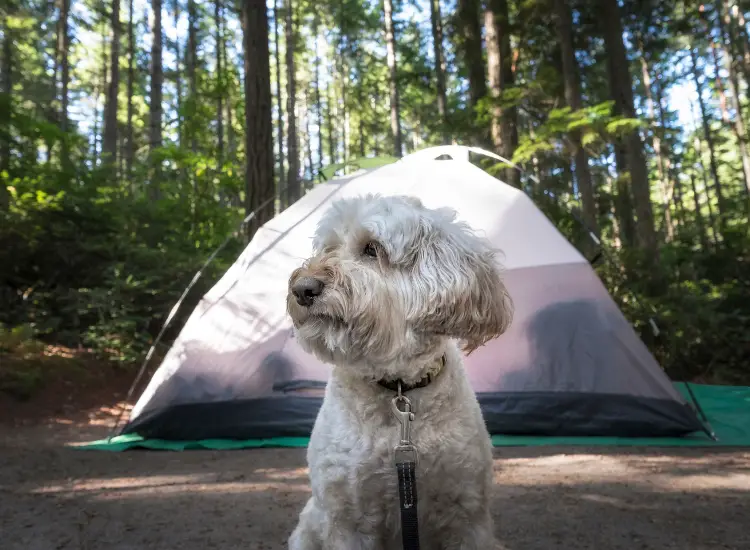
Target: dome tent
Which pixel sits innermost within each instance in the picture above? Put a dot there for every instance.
(570, 364)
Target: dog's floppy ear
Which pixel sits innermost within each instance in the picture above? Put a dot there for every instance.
(469, 300)
(487, 309)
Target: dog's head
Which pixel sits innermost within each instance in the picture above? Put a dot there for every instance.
(389, 279)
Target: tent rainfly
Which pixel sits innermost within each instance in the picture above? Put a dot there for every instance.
(569, 365)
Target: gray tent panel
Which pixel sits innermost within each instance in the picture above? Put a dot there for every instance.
(570, 364)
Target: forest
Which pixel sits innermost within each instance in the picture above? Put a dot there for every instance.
(136, 135)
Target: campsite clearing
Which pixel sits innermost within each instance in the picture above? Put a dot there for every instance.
(545, 498)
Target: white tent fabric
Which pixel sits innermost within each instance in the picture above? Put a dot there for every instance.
(569, 364)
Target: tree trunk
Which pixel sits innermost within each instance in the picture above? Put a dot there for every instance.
(331, 131)
(504, 132)
(5, 113)
(64, 47)
(279, 103)
(259, 188)
(673, 181)
(471, 46)
(229, 70)
(219, 86)
(437, 45)
(739, 122)
(292, 148)
(130, 145)
(728, 34)
(623, 202)
(702, 235)
(308, 137)
(155, 108)
(178, 75)
(390, 45)
(711, 218)
(656, 144)
(109, 145)
(192, 62)
(719, 86)
(621, 89)
(102, 90)
(318, 102)
(572, 84)
(708, 136)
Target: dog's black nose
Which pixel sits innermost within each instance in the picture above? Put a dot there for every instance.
(306, 289)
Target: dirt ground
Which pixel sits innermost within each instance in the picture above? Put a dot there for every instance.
(55, 497)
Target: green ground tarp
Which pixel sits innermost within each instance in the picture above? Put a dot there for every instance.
(726, 407)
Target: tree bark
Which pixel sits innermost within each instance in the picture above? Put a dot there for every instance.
(708, 136)
(192, 62)
(109, 145)
(731, 41)
(437, 46)
(331, 130)
(102, 90)
(130, 145)
(390, 45)
(572, 84)
(219, 86)
(5, 113)
(259, 188)
(178, 75)
(621, 89)
(279, 103)
(656, 144)
(155, 107)
(711, 217)
(64, 47)
(471, 46)
(719, 86)
(504, 130)
(673, 181)
(229, 70)
(308, 137)
(734, 89)
(702, 235)
(318, 102)
(292, 148)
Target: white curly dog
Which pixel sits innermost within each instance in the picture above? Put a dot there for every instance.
(391, 290)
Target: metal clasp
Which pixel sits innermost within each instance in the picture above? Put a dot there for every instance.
(405, 451)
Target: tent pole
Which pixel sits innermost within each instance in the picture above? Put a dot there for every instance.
(705, 423)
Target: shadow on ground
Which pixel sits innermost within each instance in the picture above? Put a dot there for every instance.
(544, 498)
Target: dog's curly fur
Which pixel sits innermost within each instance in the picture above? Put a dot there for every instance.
(403, 285)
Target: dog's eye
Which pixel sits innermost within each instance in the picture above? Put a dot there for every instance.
(370, 250)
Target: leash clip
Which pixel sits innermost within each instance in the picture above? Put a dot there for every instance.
(405, 451)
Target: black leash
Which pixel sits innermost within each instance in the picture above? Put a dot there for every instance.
(405, 459)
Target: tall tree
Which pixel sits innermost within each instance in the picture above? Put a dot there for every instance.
(130, 145)
(109, 145)
(621, 90)
(734, 88)
(155, 107)
(471, 49)
(7, 68)
(279, 99)
(656, 144)
(192, 71)
(6, 98)
(178, 73)
(390, 46)
(218, 17)
(259, 188)
(437, 47)
(293, 190)
(318, 101)
(572, 84)
(64, 48)
(708, 136)
(504, 120)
